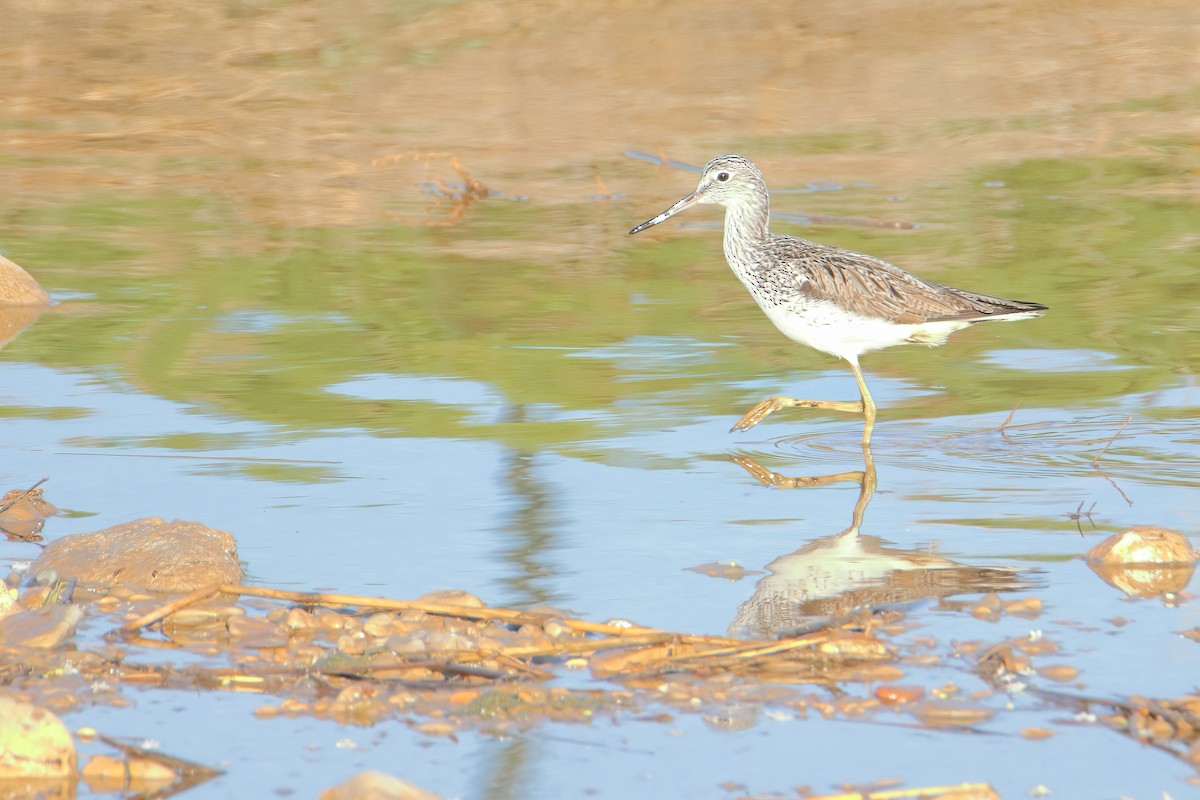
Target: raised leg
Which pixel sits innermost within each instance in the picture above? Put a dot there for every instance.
(772, 404)
(866, 407)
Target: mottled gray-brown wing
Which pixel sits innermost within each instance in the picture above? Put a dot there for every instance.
(871, 287)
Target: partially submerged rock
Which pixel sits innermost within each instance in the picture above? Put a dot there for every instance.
(374, 785)
(108, 774)
(23, 514)
(33, 742)
(1145, 561)
(18, 287)
(40, 627)
(149, 553)
(1144, 545)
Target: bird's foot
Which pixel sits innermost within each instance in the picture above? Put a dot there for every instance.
(773, 479)
(760, 411)
(763, 475)
(771, 404)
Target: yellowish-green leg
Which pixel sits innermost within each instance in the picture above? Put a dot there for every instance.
(868, 404)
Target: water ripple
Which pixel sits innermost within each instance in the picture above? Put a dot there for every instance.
(1144, 449)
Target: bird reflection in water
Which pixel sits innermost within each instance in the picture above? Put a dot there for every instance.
(843, 574)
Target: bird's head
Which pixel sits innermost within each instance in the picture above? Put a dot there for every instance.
(728, 180)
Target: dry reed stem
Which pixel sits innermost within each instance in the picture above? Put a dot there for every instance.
(965, 791)
(181, 767)
(752, 650)
(1108, 444)
(711, 652)
(463, 612)
(191, 598)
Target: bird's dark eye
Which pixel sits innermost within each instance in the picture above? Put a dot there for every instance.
(722, 177)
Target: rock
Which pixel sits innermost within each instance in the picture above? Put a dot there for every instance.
(1144, 562)
(8, 600)
(33, 742)
(452, 597)
(1144, 545)
(139, 770)
(373, 785)
(41, 627)
(952, 714)
(22, 301)
(106, 774)
(18, 288)
(24, 514)
(148, 553)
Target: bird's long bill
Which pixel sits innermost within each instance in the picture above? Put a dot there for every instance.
(682, 205)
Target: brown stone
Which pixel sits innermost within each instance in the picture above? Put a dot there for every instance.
(1143, 545)
(1145, 561)
(40, 627)
(22, 301)
(23, 513)
(452, 597)
(106, 774)
(149, 553)
(18, 287)
(373, 785)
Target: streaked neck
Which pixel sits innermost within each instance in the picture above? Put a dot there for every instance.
(745, 227)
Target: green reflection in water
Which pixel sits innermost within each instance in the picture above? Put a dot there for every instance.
(191, 304)
(27, 412)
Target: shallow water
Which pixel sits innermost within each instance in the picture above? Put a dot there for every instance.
(263, 328)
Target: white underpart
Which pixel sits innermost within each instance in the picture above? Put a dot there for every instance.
(824, 326)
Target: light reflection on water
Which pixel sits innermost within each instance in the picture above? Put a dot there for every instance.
(1043, 443)
(607, 525)
(1055, 361)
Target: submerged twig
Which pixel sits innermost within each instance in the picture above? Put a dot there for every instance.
(167, 609)
(1108, 444)
(1103, 450)
(1120, 491)
(1001, 430)
(751, 651)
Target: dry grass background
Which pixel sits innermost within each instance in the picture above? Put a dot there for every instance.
(289, 107)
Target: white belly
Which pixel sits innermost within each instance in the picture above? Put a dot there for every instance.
(823, 326)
